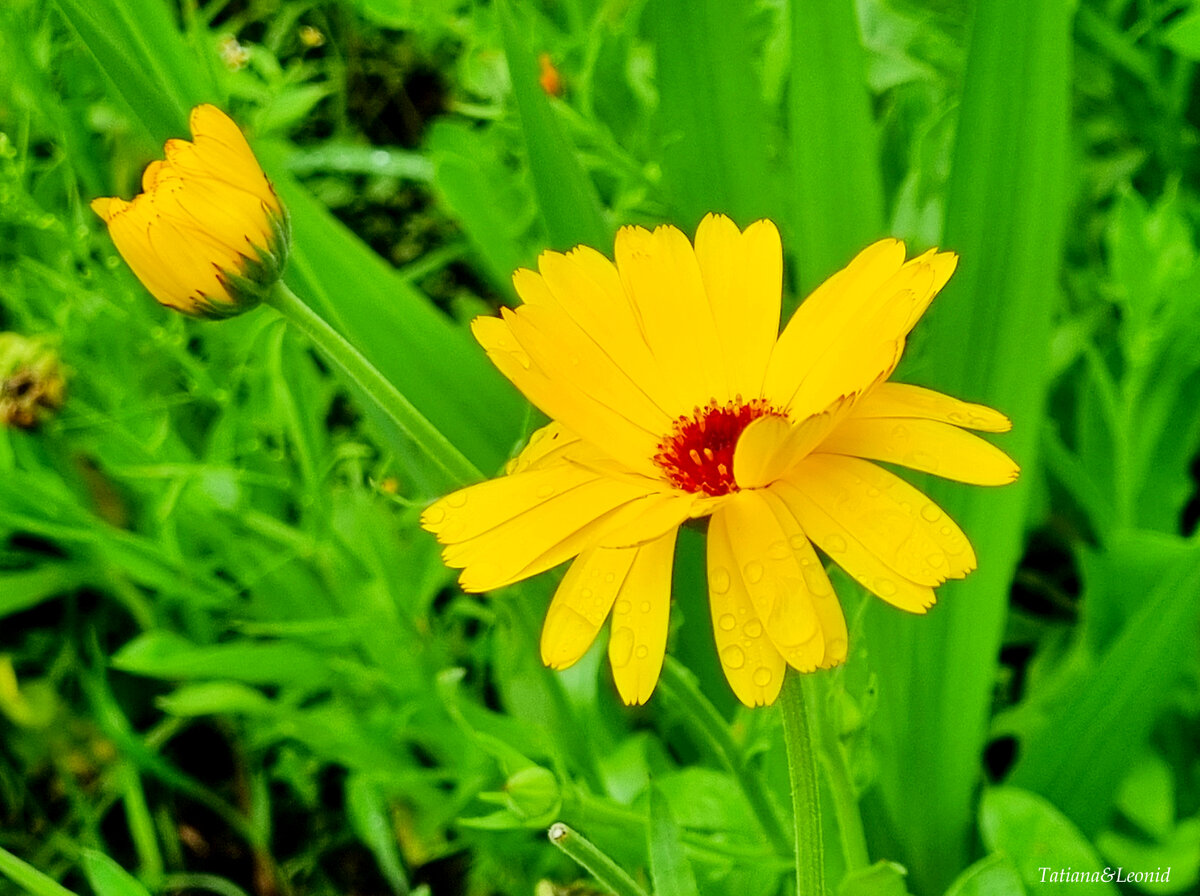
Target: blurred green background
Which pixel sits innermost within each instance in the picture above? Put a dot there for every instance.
(230, 662)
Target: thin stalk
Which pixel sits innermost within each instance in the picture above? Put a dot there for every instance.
(802, 751)
(427, 438)
(841, 786)
(29, 878)
(589, 857)
(711, 729)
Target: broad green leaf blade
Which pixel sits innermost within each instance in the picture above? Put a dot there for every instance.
(995, 875)
(714, 121)
(108, 878)
(566, 196)
(670, 870)
(986, 340)
(1080, 755)
(880, 879)
(838, 191)
(1039, 840)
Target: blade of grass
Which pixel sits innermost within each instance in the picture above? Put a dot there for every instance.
(838, 204)
(566, 196)
(714, 122)
(987, 341)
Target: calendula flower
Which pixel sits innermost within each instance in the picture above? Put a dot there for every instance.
(673, 396)
(32, 382)
(207, 236)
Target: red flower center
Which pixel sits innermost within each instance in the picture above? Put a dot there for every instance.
(697, 455)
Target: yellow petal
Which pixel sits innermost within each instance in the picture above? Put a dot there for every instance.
(844, 547)
(639, 620)
(232, 217)
(753, 666)
(221, 148)
(756, 458)
(647, 518)
(925, 445)
(546, 447)
(582, 603)
(899, 525)
(904, 400)
(663, 281)
(763, 557)
(743, 277)
(107, 207)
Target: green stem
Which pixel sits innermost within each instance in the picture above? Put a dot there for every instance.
(711, 729)
(845, 800)
(428, 439)
(588, 856)
(29, 878)
(806, 800)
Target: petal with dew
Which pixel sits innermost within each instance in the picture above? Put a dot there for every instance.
(753, 666)
(743, 278)
(547, 446)
(904, 400)
(925, 445)
(844, 547)
(639, 620)
(902, 527)
(582, 603)
(762, 557)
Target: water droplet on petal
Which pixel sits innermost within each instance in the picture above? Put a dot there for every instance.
(798, 542)
(931, 513)
(733, 657)
(834, 544)
(946, 530)
(586, 593)
(935, 560)
(726, 622)
(624, 607)
(644, 607)
(779, 551)
(923, 460)
(753, 629)
(610, 578)
(754, 572)
(762, 676)
(956, 417)
(642, 651)
(435, 514)
(900, 431)
(621, 648)
(718, 580)
(457, 499)
(884, 587)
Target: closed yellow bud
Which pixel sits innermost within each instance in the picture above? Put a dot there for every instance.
(207, 236)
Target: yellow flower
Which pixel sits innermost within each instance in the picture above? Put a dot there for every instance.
(207, 236)
(673, 396)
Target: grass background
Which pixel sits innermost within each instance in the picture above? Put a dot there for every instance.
(230, 662)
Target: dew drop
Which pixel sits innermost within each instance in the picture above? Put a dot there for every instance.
(885, 587)
(798, 542)
(609, 578)
(586, 594)
(644, 607)
(435, 515)
(835, 649)
(946, 530)
(956, 417)
(754, 572)
(457, 499)
(726, 622)
(834, 544)
(931, 513)
(779, 551)
(935, 560)
(620, 649)
(762, 676)
(752, 629)
(624, 607)
(642, 651)
(545, 491)
(732, 656)
(718, 580)
(923, 460)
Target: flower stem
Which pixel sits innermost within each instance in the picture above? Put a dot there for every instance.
(428, 439)
(806, 799)
(588, 856)
(841, 786)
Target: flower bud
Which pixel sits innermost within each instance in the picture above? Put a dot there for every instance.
(207, 235)
(533, 794)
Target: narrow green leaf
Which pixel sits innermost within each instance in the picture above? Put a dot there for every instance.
(1040, 840)
(108, 878)
(566, 196)
(27, 588)
(670, 870)
(163, 654)
(985, 340)
(367, 812)
(838, 194)
(716, 140)
(29, 878)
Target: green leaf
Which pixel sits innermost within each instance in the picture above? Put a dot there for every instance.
(995, 875)
(670, 871)
(367, 812)
(880, 879)
(163, 654)
(28, 588)
(834, 155)
(108, 878)
(566, 196)
(1039, 839)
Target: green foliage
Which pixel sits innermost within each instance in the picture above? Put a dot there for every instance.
(232, 662)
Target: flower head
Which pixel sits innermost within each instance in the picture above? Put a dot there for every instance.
(673, 396)
(207, 236)
(32, 382)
